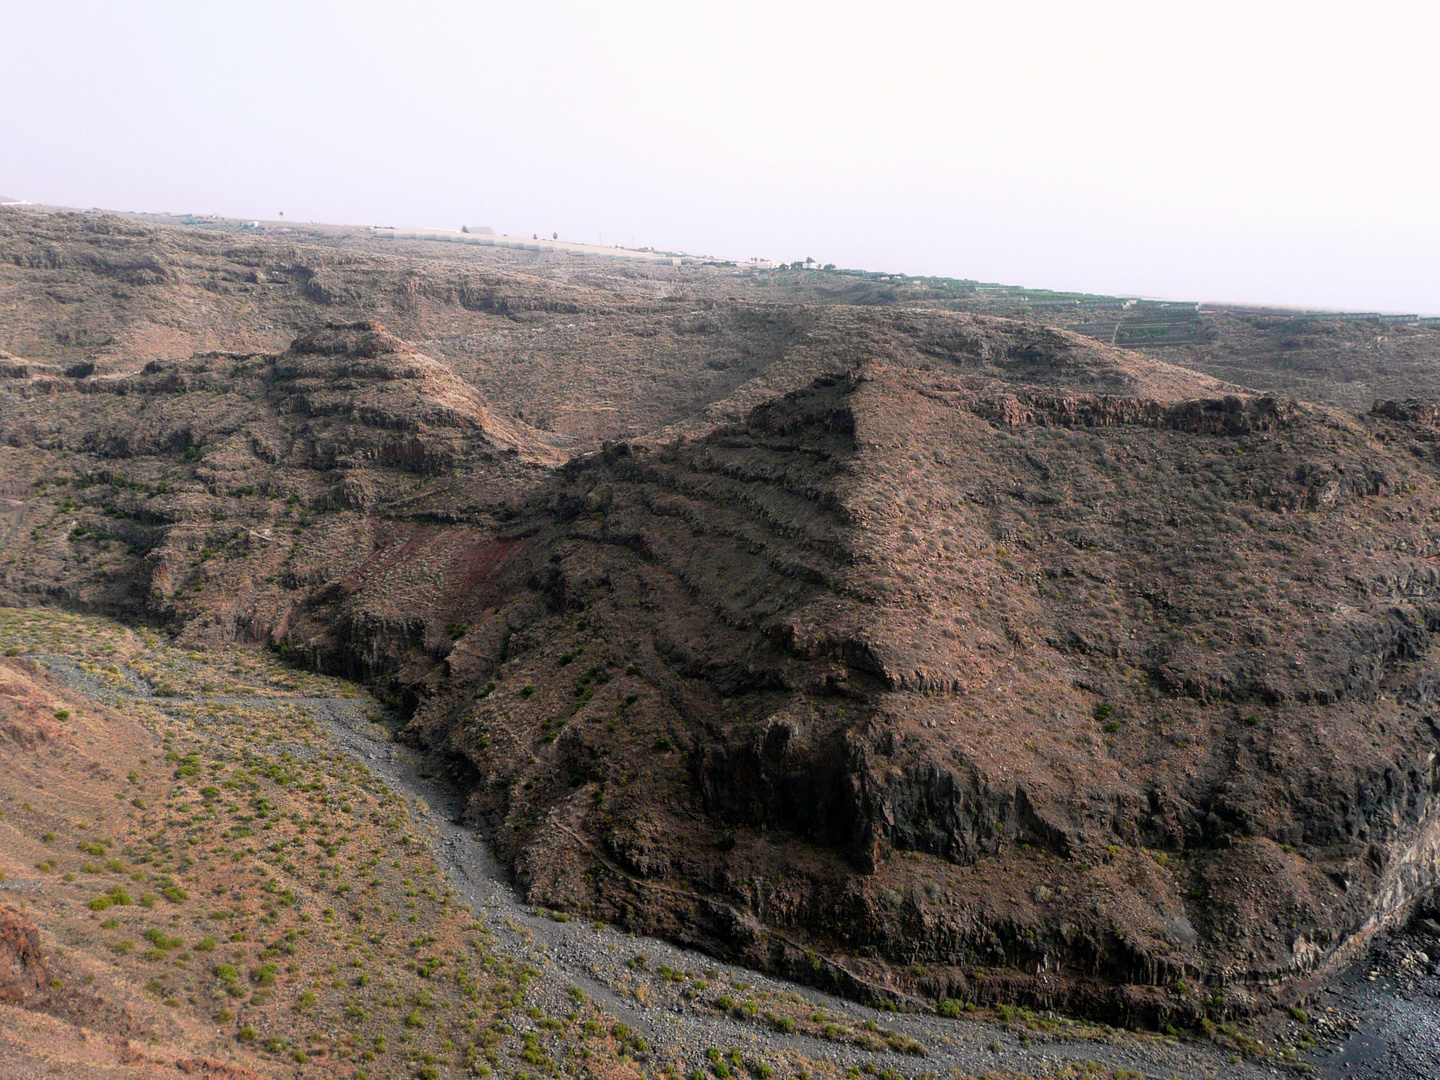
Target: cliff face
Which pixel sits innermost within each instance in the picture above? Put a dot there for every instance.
(984, 662)
(926, 687)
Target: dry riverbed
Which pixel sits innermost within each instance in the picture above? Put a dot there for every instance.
(447, 972)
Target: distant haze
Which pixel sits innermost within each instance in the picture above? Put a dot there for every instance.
(1266, 152)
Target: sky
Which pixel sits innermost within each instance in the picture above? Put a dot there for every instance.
(1273, 153)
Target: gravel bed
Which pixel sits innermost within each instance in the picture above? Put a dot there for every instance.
(579, 954)
(1381, 1020)
(598, 959)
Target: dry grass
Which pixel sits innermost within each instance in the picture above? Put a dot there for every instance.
(221, 878)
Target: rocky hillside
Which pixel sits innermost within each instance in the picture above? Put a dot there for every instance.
(912, 653)
(973, 692)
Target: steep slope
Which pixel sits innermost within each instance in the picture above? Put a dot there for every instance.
(974, 689)
(994, 664)
(251, 475)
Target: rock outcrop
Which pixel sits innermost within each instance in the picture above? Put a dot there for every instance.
(22, 963)
(1033, 694)
(912, 652)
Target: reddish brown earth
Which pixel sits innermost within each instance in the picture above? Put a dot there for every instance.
(912, 652)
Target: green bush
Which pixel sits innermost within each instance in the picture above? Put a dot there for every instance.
(264, 975)
(163, 941)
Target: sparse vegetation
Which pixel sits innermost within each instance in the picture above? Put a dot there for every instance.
(1038, 572)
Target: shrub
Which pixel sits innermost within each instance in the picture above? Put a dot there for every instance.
(264, 975)
(161, 940)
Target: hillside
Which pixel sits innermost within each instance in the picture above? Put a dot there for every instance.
(936, 680)
(914, 653)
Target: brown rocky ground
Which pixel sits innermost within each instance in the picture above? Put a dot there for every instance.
(203, 884)
(589, 349)
(260, 902)
(920, 654)
(1022, 729)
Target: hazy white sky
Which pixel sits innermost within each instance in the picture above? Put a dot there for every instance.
(1268, 152)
